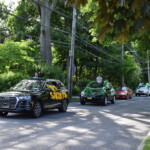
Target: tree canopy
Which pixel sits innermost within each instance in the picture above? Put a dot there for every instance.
(119, 19)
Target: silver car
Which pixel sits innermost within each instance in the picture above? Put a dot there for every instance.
(142, 90)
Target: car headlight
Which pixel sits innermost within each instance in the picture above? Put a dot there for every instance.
(24, 97)
(82, 93)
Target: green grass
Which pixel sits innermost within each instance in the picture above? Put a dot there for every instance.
(74, 99)
(147, 144)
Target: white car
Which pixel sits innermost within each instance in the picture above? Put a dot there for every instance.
(142, 90)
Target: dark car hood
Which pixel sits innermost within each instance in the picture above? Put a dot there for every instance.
(16, 93)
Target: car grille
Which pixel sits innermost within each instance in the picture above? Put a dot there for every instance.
(8, 102)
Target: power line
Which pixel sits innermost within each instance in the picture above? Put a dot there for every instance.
(53, 41)
(60, 13)
(96, 55)
(25, 19)
(132, 50)
(96, 48)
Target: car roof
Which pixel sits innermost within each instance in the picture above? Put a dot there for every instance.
(36, 78)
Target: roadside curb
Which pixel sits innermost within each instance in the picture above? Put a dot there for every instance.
(141, 146)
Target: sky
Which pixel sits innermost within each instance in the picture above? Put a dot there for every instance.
(12, 3)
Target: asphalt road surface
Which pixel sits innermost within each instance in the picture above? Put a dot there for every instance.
(120, 126)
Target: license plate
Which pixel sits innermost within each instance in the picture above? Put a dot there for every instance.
(89, 97)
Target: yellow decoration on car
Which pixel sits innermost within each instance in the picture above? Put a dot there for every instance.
(52, 87)
(58, 95)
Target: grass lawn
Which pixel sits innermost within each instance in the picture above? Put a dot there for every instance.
(147, 144)
(74, 99)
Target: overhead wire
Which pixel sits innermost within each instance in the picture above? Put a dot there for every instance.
(93, 46)
(96, 55)
(98, 49)
(141, 59)
(25, 19)
(53, 41)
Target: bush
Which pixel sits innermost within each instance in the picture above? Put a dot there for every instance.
(76, 90)
(51, 72)
(82, 83)
(9, 79)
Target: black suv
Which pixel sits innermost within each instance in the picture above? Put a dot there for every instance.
(34, 96)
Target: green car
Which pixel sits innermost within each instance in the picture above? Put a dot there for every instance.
(98, 93)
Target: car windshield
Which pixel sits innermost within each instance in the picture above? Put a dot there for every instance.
(143, 88)
(95, 85)
(122, 89)
(28, 85)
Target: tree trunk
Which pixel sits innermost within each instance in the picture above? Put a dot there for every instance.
(46, 10)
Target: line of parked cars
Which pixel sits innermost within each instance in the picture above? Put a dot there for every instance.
(36, 95)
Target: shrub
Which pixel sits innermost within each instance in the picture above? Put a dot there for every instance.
(51, 72)
(76, 90)
(9, 79)
(82, 83)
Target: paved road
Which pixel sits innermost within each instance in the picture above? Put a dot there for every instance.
(120, 126)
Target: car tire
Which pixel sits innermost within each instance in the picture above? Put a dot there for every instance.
(130, 96)
(105, 101)
(127, 97)
(114, 100)
(82, 102)
(64, 106)
(37, 109)
(3, 113)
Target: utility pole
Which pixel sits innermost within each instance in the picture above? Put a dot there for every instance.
(148, 69)
(122, 58)
(71, 54)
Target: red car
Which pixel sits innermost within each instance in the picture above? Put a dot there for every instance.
(124, 92)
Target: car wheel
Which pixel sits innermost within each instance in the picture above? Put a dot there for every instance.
(127, 97)
(64, 106)
(105, 101)
(82, 102)
(113, 100)
(37, 110)
(3, 113)
(130, 96)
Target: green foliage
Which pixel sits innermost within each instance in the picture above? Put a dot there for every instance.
(82, 83)
(23, 29)
(147, 144)
(50, 72)
(131, 71)
(9, 79)
(3, 21)
(116, 18)
(17, 56)
(76, 90)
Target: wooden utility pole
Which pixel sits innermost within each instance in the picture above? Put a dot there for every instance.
(122, 58)
(71, 55)
(148, 69)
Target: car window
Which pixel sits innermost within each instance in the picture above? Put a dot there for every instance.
(95, 85)
(124, 88)
(143, 88)
(29, 85)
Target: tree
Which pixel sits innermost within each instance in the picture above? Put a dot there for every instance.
(3, 20)
(45, 10)
(117, 18)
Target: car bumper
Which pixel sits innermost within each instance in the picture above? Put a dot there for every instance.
(142, 93)
(25, 108)
(121, 96)
(92, 99)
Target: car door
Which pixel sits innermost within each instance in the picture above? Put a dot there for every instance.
(46, 95)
